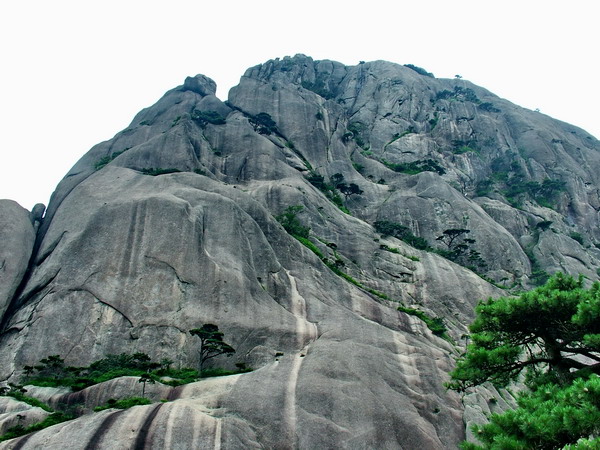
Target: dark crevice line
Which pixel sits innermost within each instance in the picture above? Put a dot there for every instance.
(104, 303)
(22, 441)
(140, 442)
(104, 427)
(17, 302)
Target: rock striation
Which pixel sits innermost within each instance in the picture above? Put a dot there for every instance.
(173, 223)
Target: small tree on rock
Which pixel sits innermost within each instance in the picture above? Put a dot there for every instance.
(449, 236)
(349, 189)
(211, 342)
(145, 378)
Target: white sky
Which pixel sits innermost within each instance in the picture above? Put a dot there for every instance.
(74, 73)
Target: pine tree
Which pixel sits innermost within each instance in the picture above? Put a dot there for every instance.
(552, 336)
(211, 342)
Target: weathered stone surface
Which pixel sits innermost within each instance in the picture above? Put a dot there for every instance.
(16, 244)
(481, 403)
(130, 262)
(14, 413)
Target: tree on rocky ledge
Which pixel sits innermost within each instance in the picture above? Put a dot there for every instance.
(349, 189)
(552, 336)
(211, 342)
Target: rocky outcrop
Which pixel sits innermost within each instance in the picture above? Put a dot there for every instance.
(172, 224)
(17, 236)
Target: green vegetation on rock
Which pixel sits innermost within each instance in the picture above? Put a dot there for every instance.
(52, 372)
(551, 335)
(18, 393)
(106, 159)
(331, 188)
(415, 167)
(19, 430)
(419, 70)
(290, 222)
(263, 123)
(158, 171)
(435, 324)
(124, 403)
(387, 228)
(319, 86)
(205, 117)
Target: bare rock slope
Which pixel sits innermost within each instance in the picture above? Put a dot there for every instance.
(171, 224)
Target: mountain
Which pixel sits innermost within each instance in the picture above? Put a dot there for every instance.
(403, 190)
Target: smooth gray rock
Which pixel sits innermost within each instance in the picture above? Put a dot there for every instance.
(17, 237)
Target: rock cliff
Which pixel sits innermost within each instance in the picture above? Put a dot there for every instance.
(172, 224)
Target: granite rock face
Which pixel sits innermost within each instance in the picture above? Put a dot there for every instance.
(17, 237)
(172, 224)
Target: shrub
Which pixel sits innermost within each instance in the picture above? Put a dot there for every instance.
(435, 324)
(356, 132)
(19, 394)
(419, 70)
(576, 236)
(463, 149)
(112, 366)
(544, 194)
(358, 167)
(290, 222)
(484, 187)
(489, 107)
(459, 94)
(543, 225)
(158, 171)
(415, 167)
(434, 121)
(263, 123)
(123, 403)
(106, 159)
(316, 180)
(387, 228)
(50, 373)
(319, 86)
(205, 117)
(329, 189)
(20, 430)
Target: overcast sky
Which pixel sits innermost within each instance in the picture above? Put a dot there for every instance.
(74, 73)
